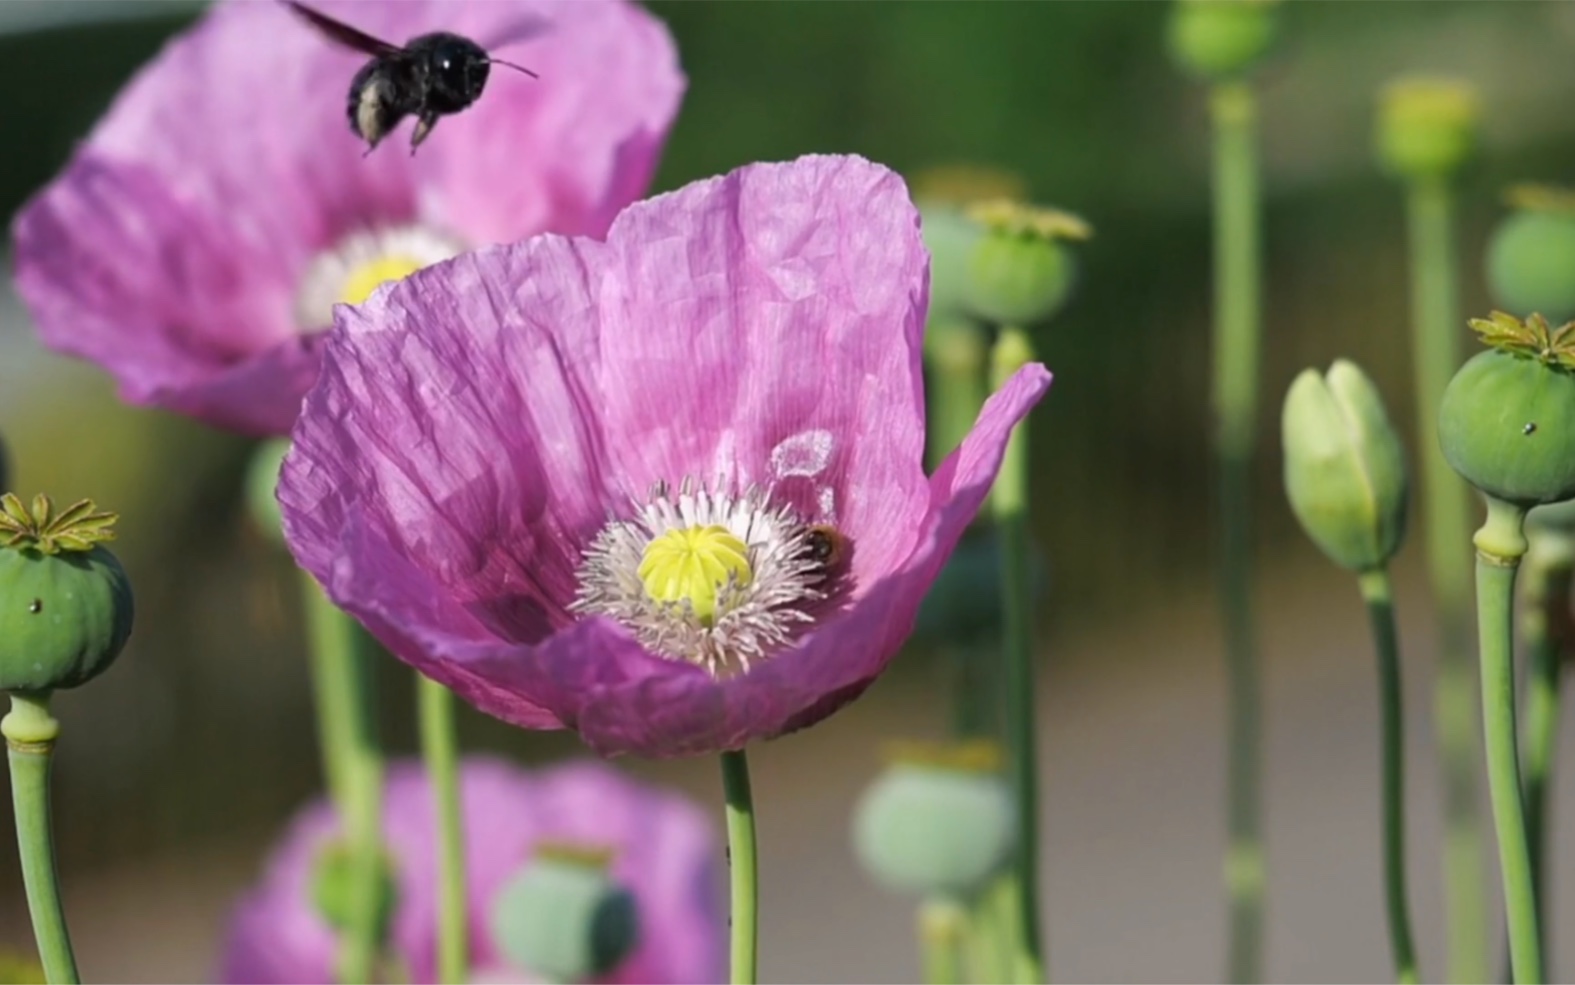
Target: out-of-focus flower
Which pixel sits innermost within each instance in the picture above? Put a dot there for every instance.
(197, 242)
(576, 481)
(662, 849)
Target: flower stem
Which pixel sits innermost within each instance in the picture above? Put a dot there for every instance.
(30, 732)
(1235, 394)
(440, 749)
(1376, 592)
(1547, 631)
(1436, 338)
(1501, 543)
(943, 926)
(744, 922)
(1009, 501)
(342, 672)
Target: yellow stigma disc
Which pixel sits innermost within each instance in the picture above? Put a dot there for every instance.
(366, 278)
(693, 564)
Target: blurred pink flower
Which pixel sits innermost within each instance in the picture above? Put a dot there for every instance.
(495, 440)
(198, 240)
(665, 854)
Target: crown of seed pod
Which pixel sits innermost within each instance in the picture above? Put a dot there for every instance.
(1531, 255)
(1507, 422)
(65, 602)
(1427, 127)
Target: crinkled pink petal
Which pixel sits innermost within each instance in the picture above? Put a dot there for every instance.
(478, 423)
(665, 852)
(172, 248)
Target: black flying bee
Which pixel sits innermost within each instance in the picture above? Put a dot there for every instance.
(432, 76)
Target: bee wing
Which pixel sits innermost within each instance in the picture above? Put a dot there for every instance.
(343, 33)
(527, 27)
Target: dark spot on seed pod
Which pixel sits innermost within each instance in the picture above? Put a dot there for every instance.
(36, 606)
(1531, 427)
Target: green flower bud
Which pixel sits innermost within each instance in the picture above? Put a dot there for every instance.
(262, 479)
(1219, 39)
(562, 916)
(1427, 128)
(938, 821)
(1531, 256)
(1019, 273)
(65, 603)
(334, 888)
(1344, 467)
(1507, 423)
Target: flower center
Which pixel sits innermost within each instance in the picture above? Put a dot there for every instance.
(360, 263)
(710, 579)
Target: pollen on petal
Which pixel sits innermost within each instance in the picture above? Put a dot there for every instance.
(692, 565)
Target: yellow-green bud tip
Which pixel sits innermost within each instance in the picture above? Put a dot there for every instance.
(973, 756)
(1016, 218)
(961, 185)
(1427, 127)
(1531, 197)
(693, 565)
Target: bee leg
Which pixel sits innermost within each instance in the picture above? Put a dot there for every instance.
(424, 127)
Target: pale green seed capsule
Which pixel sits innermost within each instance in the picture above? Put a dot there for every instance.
(939, 821)
(1020, 271)
(564, 917)
(1507, 421)
(1221, 39)
(1427, 128)
(1344, 466)
(1531, 255)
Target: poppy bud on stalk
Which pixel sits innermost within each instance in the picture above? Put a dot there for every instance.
(1221, 39)
(1427, 128)
(1531, 256)
(1344, 467)
(938, 821)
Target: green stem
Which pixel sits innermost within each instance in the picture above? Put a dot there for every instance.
(1010, 506)
(343, 672)
(1546, 630)
(30, 732)
(1436, 339)
(1236, 342)
(744, 921)
(1376, 592)
(440, 749)
(943, 927)
(1500, 545)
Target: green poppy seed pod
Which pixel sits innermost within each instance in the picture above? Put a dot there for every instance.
(1531, 255)
(1427, 128)
(938, 821)
(65, 602)
(334, 881)
(563, 916)
(1221, 39)
(1020, 272)
(262, 479)
(1344, 467)
(944, 194)
(1507, 421)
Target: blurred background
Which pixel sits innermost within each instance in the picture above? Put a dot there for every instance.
(176, 771)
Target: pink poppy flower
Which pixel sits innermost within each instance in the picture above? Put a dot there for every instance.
(578, 482)
(664, 852)
(198, 240)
